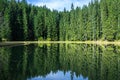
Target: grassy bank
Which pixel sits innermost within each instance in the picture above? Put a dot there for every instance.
(45, 42)
(11, 43)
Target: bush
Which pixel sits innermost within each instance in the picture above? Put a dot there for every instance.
(40, 39)
(48, 39)
(3, 39)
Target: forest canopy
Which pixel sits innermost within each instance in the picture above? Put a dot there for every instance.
(20, 21)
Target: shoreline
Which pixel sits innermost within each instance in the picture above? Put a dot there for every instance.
(7, 43)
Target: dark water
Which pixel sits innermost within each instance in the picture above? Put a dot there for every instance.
(60, 62)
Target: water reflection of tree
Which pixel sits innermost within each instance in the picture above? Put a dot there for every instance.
(92, 61)
(4, 62)
(16, 63)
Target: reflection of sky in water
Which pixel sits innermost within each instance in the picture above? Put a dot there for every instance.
(58, 76)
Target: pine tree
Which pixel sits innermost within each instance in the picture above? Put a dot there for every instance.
(5, 30)
(78, 18)
(25, 22)
(85, 21)
(64, 26)
(72, 24)
(90, 21)
(3, 4)
(100, 20)
(32, 13)
(96, 21)
(118, 17)
(111, 23)
(104, 17)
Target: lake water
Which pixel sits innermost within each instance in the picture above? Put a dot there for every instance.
(60, 62)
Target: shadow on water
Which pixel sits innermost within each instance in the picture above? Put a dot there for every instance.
(60, 62)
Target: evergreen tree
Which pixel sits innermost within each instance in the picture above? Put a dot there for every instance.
(104, 17)
(96, 21)
(64, 26)
(31, 17)
(3, 4)
(5, 30)
(90, 21)
(25, 22)
(84, 23)
(38, 25)
(99, 20)
(118, 17)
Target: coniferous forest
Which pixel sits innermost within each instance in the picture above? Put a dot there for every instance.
(99, 20)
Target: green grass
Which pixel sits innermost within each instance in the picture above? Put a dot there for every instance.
(46, 42)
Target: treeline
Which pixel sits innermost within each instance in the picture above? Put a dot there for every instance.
(99, 20)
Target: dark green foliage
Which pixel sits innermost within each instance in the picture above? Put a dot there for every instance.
(99, 20)
(1, 22)
(93, 62)
(25, 23)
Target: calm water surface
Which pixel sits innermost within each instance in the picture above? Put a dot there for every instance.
(60, 62)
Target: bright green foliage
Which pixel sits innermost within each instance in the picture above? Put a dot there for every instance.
(85, 21)
(96, 21)
(40, 39)
(99, 20)
(64, 26)
(118, 17)
(104, 17)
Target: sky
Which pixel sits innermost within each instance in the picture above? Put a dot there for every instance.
(59, 4)
(60, 75)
